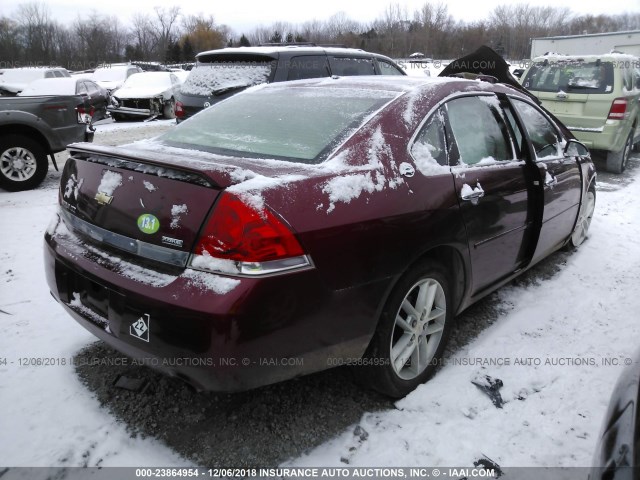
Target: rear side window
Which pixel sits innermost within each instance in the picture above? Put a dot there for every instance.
(92, 88)
(308, 66)
(478, 130)
(388, 69)
(570, 76)
(429, 146)
(221, 75)
(542, 133)
(349, 66)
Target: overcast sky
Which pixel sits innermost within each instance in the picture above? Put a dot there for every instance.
(244, 15)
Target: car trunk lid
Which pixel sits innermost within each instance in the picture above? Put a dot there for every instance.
(148, 203)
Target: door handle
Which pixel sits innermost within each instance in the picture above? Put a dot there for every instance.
(550, 180)
(475, 195)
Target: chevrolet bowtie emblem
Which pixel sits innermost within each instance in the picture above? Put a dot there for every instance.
(103, 198)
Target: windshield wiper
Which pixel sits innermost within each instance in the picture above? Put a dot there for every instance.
(580, 87)
(219, 91)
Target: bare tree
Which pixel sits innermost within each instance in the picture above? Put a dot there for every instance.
(164, 27)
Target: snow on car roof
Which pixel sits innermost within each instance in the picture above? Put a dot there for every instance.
(557, 57)
(271, 50)
(51, 86)
(25, 74)
(149, 79)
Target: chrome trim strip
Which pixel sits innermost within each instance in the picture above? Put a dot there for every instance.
(587, 129)
(143, 112)
(254, 269)
(122, 242)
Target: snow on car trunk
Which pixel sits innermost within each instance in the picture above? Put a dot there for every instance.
(122, 203)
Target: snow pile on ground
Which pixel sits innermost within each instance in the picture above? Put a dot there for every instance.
(49, 418)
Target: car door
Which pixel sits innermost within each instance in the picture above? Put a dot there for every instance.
(560, 176)
(494, 185)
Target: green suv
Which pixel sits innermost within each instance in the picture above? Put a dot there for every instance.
(595, 96)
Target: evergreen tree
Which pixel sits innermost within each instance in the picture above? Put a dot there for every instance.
(188, 55)
(276, 37)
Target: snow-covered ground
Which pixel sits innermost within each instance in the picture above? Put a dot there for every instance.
(552, 412)
(561, 339)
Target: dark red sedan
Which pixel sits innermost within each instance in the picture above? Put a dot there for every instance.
(304, 225)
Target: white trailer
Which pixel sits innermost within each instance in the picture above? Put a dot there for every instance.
(590, 44)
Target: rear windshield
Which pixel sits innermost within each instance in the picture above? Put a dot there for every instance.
(570, 76)
(217, 76)
(296, 124)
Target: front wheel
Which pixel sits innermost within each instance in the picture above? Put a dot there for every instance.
(412, 332)
(581, 230)
(23, 163)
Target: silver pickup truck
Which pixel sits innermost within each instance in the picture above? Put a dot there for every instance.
(34, 128)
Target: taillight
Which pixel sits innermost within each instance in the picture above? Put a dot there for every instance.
(618, 109)
(179, 110)
(239, 238)
(83, 115)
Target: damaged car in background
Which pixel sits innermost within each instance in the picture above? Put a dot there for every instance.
(145, 95)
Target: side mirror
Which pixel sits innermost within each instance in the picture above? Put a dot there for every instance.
(575, 149)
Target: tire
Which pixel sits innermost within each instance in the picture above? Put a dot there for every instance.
(117, 117)
(617, 161)
(169, 110)
(387, 366)
(23, 163)
(581, 230)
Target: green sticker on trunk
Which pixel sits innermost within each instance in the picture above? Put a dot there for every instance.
(148, 223)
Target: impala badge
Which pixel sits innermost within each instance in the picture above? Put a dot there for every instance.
(103, 198)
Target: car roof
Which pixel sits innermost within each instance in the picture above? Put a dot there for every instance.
(59, 80)
(64, 84)
(397, 83)
(274, 50)
(606, 57)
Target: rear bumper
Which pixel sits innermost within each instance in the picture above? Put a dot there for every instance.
(217, 333)
(610, 137)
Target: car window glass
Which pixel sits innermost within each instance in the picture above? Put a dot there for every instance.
(81, 88)
(92, 87)
(58, 73)
(628, 79)
(515, 131)
(388, 69)
(429, 146)
(542, 133)
(347, 66)
(574, 76)
(49, 75)
(477, 131)
(307, 66)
